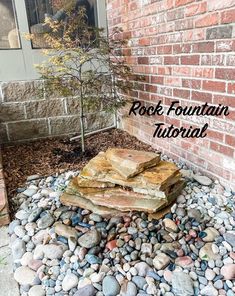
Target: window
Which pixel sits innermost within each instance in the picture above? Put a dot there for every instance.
(37, 10)
(9, 34)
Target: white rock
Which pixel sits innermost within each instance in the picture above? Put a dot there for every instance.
(209, 290)
(36, 291)
(25, 276)
(70, 281)
(161, 261)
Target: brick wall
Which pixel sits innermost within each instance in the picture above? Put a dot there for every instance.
(186, 51)
(26, 116)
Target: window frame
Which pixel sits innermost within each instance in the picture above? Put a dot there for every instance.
(96, 17)
(17, 27)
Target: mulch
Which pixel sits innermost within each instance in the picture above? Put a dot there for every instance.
(50, 156)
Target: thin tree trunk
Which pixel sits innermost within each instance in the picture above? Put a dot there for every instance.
(82, 121)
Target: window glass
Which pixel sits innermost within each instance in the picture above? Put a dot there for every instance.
(9, 34)
(37, 10)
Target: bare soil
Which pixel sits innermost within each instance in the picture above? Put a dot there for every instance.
(50, 156)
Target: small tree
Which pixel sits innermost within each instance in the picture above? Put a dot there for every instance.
(83, 62)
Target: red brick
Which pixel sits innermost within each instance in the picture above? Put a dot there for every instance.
(207, 21)
(230, 140)
(214, 86)
(182, 2)
(164, 49)
(215, 135)
(195, 9)
(181, 93)
(174, 81)
(182, 48)
(228, 16)
(171, 60)
(143, 60)
(201, 96)
(224, 100)
(157, 79)
(190, 83)
(144, 41)
(231, 88)
(190, 60)
(203, 72)
(222, 149)
(204, 47)
(226, 74)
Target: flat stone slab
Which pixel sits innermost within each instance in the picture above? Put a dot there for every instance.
(157, 178)
(129, 163)
(120, 199)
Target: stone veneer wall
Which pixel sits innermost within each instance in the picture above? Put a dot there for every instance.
(185, 49)
(25, 116)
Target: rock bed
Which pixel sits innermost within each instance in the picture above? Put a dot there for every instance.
(69, 251)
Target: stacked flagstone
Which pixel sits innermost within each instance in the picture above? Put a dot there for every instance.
(122, 180)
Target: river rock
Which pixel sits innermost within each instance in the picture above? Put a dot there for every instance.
(45, 221)
(182, 285)
(230, 238)
(211, 234)
(228, 271)
(90, 239)
(170, 225)
(18, 248)
(110, 286)
(139, 281)
(203, 180)
(161, 261)
(36, 291)
(87, 290)
(128, 289)
(142, 268)
(53, 251)
(206, 253)
(25, 276)
(66, 231)
(34, 215)
(209, 290)
(70, 281)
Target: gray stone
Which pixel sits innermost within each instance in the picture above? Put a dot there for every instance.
(12, 226)
(53, 251)
(19, 231)
(20, 91)
(90, 239)
(182, 284)
(45, 108)
(12, 112)
(34, 215)
(18, 248)
(128, 289)
(28, 129)
(209, 290)
(45, 221)
(110, 286)
(139, 281)
(87, 290)
(203, 180)
(30, 191)
(22, 215)
(230, 238)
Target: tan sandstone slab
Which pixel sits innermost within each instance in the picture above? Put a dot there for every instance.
(129, 163)
(121, 199)
(155, 178)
